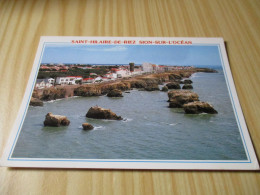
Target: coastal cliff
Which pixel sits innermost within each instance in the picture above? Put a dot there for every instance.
(147, 82)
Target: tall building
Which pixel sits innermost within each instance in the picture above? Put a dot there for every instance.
(132, 66)
(148, 67)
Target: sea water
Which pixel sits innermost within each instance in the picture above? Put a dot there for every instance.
(150, 129)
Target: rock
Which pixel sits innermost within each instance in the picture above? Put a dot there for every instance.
(187, 81)
(179, 97)
(199, 107)
(174, 77)
(187, 86)
(207, 70)
(107, 87)
(53, 94)
(186, 74)
(115, 93)
(36, 102)
(165, 88)
(152, 87)
(87, 91)
(127, 91)
(173, 85)
(87, 126)
(150, 80)
(55, 120)
(36, 94)
(102, 113)
(138, 84)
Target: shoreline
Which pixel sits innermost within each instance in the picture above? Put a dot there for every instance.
(148, 82)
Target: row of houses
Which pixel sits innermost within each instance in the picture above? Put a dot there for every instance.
(113, 74)
(69, 80)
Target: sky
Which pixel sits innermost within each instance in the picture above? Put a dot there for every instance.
(123, 54)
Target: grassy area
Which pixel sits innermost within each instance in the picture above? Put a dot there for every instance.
(85, 73)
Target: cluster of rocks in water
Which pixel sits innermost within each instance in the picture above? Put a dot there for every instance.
(189, 101)
(178, 98)
(95, 112)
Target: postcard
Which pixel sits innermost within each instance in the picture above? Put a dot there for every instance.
(131, 103)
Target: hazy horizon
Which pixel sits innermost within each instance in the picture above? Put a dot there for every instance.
(171, 55)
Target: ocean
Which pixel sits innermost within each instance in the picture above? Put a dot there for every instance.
(150, 129)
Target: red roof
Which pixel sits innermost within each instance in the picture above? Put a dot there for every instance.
(86, 79)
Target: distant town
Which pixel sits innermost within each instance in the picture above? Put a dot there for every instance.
(77, 74)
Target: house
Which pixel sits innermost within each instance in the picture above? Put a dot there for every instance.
(88, 80)
(137, 71)
(121, 72)
(69, 80)
(98, 79)
(43, 83)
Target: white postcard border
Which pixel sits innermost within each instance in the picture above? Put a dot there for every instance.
(250, 164)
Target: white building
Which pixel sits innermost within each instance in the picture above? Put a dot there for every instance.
(120, 72)
(43, 83)
(88, 80)
(147, 67)
(70, 80)
(98, 79)
(137, 71)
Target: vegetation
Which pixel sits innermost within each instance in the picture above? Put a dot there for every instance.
(85, 73)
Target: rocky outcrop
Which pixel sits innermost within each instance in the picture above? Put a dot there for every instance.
(207, 70)
(87, 91)
(53, 94)
(173, 85)
(147, 83)
(150, 80)
(106, 87)
(174, 76)
(36, 102)
(186, 74)
(36, 94)
(152, 87)
(165, 88)
(187, 81)
(187, 86)
(178, 98)
(115, 93)
(87, 126)
(138, 84)
(102, 113)
(55, 120)
(199, 107)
